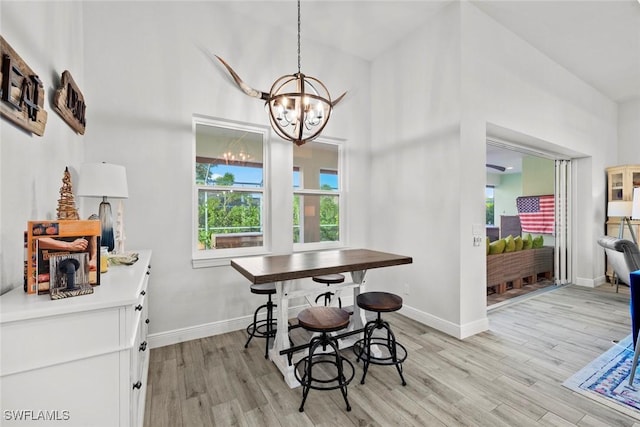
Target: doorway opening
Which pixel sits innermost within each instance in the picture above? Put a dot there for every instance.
(527, 213)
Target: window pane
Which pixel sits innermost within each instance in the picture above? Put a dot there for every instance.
(490, 205)
(229, 219)
(228, 157)
(316, 165)
(328, 179)
(229, 181)
(316, 218)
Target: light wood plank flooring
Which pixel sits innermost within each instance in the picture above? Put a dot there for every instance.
(508, 376)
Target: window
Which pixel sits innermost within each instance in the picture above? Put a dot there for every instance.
(229, 188)
(316, 195)
(490, 204)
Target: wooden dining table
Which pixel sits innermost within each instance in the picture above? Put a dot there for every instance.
(284, 270)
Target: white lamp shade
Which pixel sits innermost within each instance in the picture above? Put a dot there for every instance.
(619, 208)
(635, 211)
(103, 180)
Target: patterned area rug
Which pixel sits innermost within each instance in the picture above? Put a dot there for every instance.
(606, 379)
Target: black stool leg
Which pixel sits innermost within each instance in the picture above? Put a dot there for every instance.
(270, 331)
(368, 333)
(315, 342)
(341, 378)
(251, 329)
(391, 342)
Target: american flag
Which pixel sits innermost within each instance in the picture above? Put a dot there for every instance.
(537, 214)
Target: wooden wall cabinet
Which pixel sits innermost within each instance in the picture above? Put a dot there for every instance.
(621, 180)
(80, 361)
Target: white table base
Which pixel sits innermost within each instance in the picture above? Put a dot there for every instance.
(284, 292)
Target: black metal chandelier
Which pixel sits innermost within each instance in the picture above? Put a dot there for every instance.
(299, 106)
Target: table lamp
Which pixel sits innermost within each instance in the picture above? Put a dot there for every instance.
(622, 208)
(104, 180)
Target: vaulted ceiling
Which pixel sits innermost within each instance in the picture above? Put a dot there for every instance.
(596, 40)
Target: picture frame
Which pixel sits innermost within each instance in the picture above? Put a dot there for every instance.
(47, 239)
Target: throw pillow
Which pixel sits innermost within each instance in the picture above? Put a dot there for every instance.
(538, 242)
(519, 243)
(497, 247)
(510, 245)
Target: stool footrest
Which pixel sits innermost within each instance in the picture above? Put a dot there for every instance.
(317, 382)
(260, 328)
(386, 357)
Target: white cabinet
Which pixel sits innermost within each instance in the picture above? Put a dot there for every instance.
(79, 361)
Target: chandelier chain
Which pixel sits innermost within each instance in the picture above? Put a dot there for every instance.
(298, 36)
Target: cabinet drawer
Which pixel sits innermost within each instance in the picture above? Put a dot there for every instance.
(50, 341)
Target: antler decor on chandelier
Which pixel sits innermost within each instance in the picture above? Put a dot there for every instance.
(299, 105)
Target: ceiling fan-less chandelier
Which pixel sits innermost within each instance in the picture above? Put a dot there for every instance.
(299, 106)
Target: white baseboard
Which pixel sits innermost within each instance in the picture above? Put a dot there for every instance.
(176, 336)
(458, 331)
(591, 283)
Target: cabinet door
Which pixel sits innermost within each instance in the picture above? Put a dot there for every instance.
(616, 184)
(634, 182)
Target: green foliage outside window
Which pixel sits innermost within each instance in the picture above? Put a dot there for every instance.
(224, 212)
(489, 212)
(329, 218)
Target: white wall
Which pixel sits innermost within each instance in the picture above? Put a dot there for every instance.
(629, 133)
(146, 79)
(416, 164)
(464, 73)
(514, 86)
(416, 172)
(48, 37)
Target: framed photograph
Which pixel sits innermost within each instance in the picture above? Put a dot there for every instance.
(47, 239)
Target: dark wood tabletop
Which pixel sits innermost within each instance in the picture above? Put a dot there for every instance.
(276, 268)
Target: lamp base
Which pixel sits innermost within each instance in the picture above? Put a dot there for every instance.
(106, 224)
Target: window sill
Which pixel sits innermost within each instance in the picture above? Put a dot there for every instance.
(206, 260)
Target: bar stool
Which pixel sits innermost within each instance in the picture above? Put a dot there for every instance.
(265, 328)
(391, 351)
(323, 320)
(328, 279)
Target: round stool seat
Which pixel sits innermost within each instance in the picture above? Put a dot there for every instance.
(379, 301)
(329, 278)
(264, 289)
(323, 319)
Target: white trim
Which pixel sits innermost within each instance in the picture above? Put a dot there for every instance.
(214, 258)
(176, 336)
(455, 330)
(591, 283)
(340, 194)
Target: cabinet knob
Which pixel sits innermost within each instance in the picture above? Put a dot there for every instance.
(143, 293)
(143, 346)
(146, 321)
(137, 385)
(139, 307)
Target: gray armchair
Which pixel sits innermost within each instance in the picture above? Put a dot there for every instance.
(623, 255)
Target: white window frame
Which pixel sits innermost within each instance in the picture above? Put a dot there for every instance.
(218, 257)
(313, 246)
